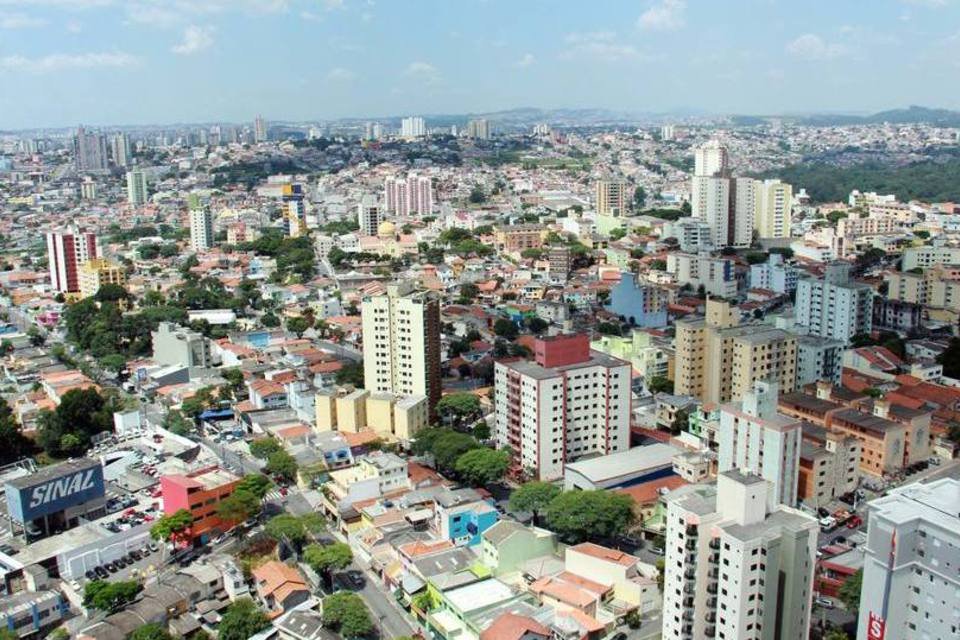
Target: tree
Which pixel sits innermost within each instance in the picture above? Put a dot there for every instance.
(836, 634)
(256, 484)
(505, 329)
(446, 446)
(480, 467)
(661, 567)
(350, 373)
(578, 515)
(82, 413)
(37, 337)
(658, 265)
(282, 465)
(458, 407)
(639, 197)
(238, 506)
(680, 421)
(177, 423)
(242, 620)
(536, 324)
(107, 596)
(477, 195)
(609, 329)
(151, 631)
(270, 320)
(346, 613)
(286, 527)
(468, 293)
(327, 558)
(114, 362)
(849, 593)
(659, 384)
(170, 528)
(13, 444)
(533, 497)
(298, 325)
(263, 448)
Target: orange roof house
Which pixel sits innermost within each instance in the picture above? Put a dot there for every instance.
(280, 586)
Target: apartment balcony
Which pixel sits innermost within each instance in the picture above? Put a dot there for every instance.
(713, 573)
(688, 602)
(691, 545)
(692, 530)
(690, 588)
(712, 602)
(715, 543)
(711, 617)
(710, 631)
(688, 616)
(714, 557)
(712, 588)
(690, 573)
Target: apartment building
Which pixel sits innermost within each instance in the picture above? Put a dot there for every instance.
(569, 402)
(773, 208)
(736, 569)
(136, 187)
(755, 438)
(818, 359)
(174, 345)
(641, 304)
(718, 358)
(910, 578)
(834, 306)
(99, 272)
(716, 275)
(407, 196)
(829, 466)
(390, 416)
(201, 228)
(856, 227)
(925, 257)
(67, 251)
(936, 289)
(369, 215)
(774, 274)
(515, 238)
(401, 343)
(613, 197)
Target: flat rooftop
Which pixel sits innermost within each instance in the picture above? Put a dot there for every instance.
(54, 471)
(937, 503)
(479, 595)
(635, 461)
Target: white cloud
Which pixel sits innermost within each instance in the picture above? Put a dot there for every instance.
(64, 61)
(810, 46)
(602, 45)
(74, 26)
(525, 61)
(19, 21)
(339, 74)
(665, 15)
(331, 5)
(195, 40)
(423, 71)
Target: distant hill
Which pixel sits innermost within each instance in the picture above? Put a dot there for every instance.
(911, 115)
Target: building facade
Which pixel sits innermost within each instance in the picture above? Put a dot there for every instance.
(98, 272)
(66, 253)
(200, 493)
(201, 228)
(833, 306)
(642, 305)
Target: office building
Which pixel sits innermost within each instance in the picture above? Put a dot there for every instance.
(89, 151)
(773, 212)
(718, 358)
(910, 577)
(401, 343)
(406, 197)
(369, 215)
(200, 493)
(259, 129)
(567, 403)
(178, 346)
(717, 276)
(413, 127)
(66, 252)
(120, 150)
(201, 228)
(478, 129)
(755, 438)
(735, 568)
(55, 498)
(99, 272)
(136, 187)
(833, 306)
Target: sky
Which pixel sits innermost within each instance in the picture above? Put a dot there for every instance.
(103, 62)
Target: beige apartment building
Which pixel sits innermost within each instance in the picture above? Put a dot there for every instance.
(718, 359)
(937, 289)
(612, 197)
(389, 416)
(773, 212)
(98, 272)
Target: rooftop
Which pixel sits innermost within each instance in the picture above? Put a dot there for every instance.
(45, 474)
(631, 462)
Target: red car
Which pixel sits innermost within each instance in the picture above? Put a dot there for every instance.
(854, 522)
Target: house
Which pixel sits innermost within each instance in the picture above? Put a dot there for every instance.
(266, 394)
(462, 516)
(632, 588)
(511, 626)
(280, 586)
(505, 546)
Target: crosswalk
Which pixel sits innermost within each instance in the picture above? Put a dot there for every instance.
(273, 496)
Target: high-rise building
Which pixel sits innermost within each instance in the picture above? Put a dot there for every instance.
(755, 438)
(612, 197)
(718, 358)
(724, 203)
(668, 132)
(568, 403)
(66, 252)
(405, 197)
(710, 203)
(479, 129)
(120, 149)
(259, 129)
(201, 227)
(834, 306)
(773, 215)
(88, 189)
(89, 151)
(413, 127)
(735, 568)
(910, 577)
(711, 160)
(369, 215)
(99, 272)
(373, 131)
(294, 204)
(136, 187)
(401, 343)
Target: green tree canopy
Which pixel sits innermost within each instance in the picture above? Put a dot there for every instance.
(282, 464)
(242, 620)
(238, 506)
(263, 448)
(505, 329)
(286, 527)
(346, 613)
(577, 515)
(81, 413)
(255, 483)
(298, 325)
(849, 593)
(169, 528)
(13, 444)
(533, 497)
(480, 467)
(328, 558)
(107, 596)
(459, 407)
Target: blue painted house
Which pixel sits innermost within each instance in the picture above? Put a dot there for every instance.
(462, 515)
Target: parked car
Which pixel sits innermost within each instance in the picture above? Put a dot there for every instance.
(826, 603)
(111, 567)
(90, 574)
(101, 572)
(854, 522)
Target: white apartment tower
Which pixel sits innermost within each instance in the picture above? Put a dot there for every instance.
(833, 306)
(120, 149)
(755, 438)
(413, 127)
(734, 568)
(259, 129)
(568, 403)
(369, 215)
(479, 129)
(405, 197)
(201, 228)
(773, 214)
(910, 575)
(401, 343)
(136, 187)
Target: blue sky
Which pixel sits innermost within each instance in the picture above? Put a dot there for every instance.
(64, 62)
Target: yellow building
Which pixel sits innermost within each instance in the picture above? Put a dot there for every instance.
(937, 290)
(389, 416)
(325, 410)
(718, 359)
(352, 411)
(98, 272)
(773, 213)
(612, 198)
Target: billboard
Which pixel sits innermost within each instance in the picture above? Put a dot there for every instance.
(875, 627)
(54, 489)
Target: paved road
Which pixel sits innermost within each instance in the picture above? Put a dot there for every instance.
(342, 350)
(231, 458)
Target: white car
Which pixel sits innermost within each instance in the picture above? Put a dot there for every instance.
(826, 603)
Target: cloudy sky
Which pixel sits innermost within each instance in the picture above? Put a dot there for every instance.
(64, 62)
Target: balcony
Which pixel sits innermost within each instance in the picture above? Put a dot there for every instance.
(692, 530)
(690, 573)
(691, 545)
(688, 616)
(689, 588)
(712, 588)
(714, 557)
(711, 617)
(688, 602)
(714, 573)
(710, 631)
(715, 543)
(712, 602)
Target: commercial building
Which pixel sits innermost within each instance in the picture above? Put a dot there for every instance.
(401, 343)
(755, 438)
(57, 497)
(735, 568)
(413, 127)
(623, 469)
(178, 346)
(199, 492)
(833, 306)
(641, 304)
(201, 228)
(568, 403)
(369, 215)
(66, 252)
(910, 578)
(98, 272)
(716, 275)
(136, 187)
(718, 359)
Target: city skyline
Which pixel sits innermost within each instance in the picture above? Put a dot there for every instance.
(177, 61)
